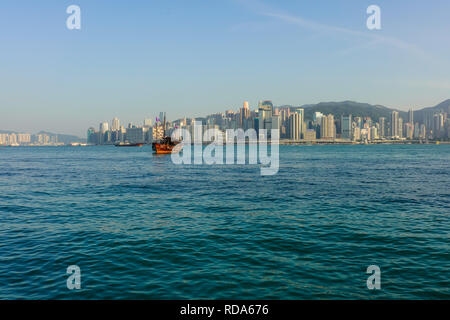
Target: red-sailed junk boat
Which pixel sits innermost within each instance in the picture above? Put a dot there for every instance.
(166, 144)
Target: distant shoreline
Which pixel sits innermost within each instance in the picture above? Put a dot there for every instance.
(282, 143)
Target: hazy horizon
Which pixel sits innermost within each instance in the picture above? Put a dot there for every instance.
(132, 61)
(140, 121)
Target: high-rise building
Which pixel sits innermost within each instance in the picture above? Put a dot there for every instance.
(373, 133)
(294, 126)
(416, 134)
(92, 136)
(438, 125)
(162, 116)
(356, 133)
(359, 122)
(382, 123)
(23, 138)
(244, 115)
(147, 122)
(346, 127)
(310, 134)
(327, 127)
(104, 126)
(302, 129)
(409, 131)
(265, 111)
(317, 116)
(115, 125)
(423, 131)
(395, 130)
(276, 122)
(136, 135)
(285, 113)
(400, 127)
(411, 116)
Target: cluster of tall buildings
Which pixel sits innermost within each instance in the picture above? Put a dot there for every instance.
(291, 123)
(27, 139)
(115, 132)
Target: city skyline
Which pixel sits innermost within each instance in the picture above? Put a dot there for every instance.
(290, 122)
(134, 60)
(246, 110)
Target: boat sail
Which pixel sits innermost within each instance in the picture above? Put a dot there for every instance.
(165, 144)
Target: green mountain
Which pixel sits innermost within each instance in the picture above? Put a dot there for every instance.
(427, 113)
(356, 109)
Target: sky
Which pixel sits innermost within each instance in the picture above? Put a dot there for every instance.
(133, 59)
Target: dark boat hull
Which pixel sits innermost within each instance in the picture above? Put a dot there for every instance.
(129, 145)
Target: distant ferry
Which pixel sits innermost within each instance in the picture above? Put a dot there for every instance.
(128, 144)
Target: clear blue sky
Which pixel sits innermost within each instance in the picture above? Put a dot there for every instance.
(132, 59)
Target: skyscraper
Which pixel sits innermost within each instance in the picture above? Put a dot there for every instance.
(265, 111)
(301, 120)
(147, 122)
(317, 116)
(115, 124)
(411, 116)
(91, 136)
(438, 125)
(346, 126)
(382, 122)
(244, 115)
(104, 126)
(327, 127)
(395, 124)
(294, 126)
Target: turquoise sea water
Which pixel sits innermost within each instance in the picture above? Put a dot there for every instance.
(140, 227)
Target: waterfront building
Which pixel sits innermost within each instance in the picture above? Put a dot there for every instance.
(115, 125)
(92, 137)
(346, 127)
(317, 116)
(104, 126)
(327, 127)
(411, 116)
(373, 133)
(12, 141)
(438, 125)
(244, 115)
(382, 127)
(423, 132)
(302, 128)
(357, 133)
(147, 122)
(310, 134)
(23, 138)
(400, 128)
(359, 122)
(265, 111)
(276, 122)
(395, 130)
(294, 126)
(3, 138)
(136, 135)
(285, 113)
(409, 131)
(416, 134)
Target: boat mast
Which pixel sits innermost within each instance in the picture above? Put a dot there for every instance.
(164, 125)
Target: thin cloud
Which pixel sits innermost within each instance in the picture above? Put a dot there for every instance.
(264, 10)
